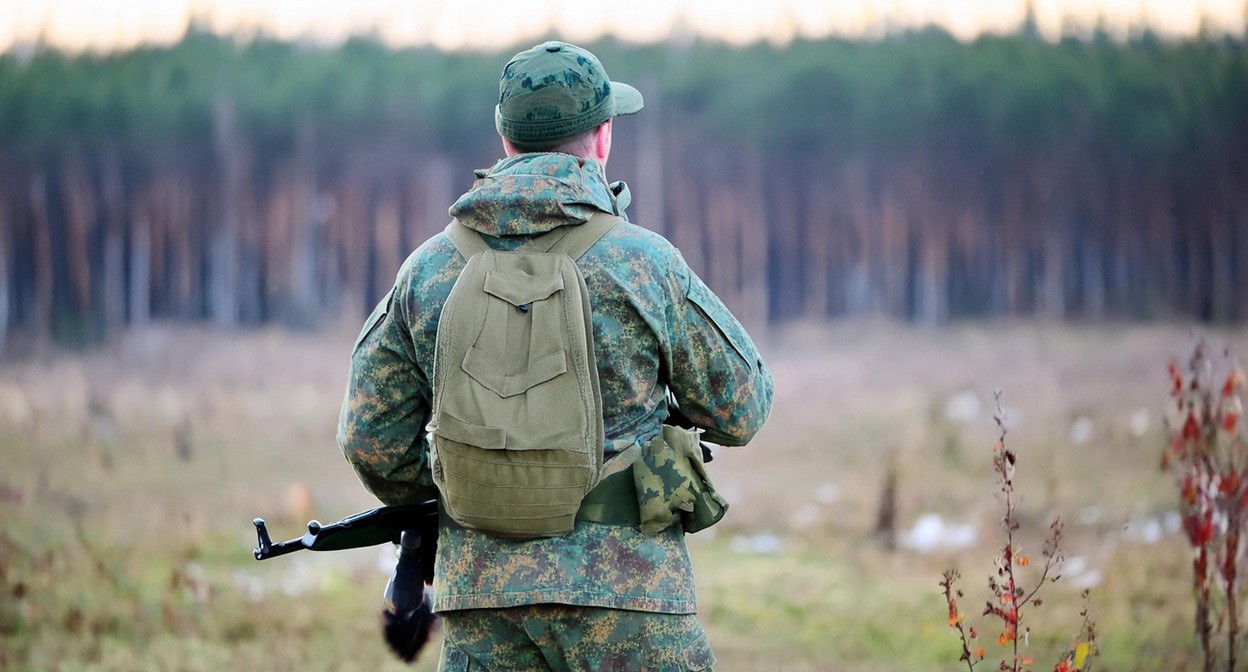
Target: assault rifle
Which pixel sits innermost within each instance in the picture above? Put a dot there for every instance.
(408, 615)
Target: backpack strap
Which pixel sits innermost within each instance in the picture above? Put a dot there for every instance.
(581, 237)
(573, 241)
(467, 241)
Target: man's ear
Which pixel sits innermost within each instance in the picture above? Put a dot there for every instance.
(602, 142)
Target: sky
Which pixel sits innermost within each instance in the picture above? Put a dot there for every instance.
(105, 25)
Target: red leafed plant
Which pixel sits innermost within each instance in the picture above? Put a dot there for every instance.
(1010, 595)
(1208, 456)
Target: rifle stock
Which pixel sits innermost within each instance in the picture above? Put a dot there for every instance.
(368, 528)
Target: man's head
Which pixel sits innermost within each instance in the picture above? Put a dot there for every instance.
(557, 97)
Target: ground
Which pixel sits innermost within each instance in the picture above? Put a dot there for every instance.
(132, 472)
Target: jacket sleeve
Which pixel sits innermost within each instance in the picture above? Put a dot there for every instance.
(715, 371)
(381, 426)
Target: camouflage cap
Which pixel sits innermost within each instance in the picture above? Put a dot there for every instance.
(555, 91)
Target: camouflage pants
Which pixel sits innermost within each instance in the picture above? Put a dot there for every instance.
(563, 638)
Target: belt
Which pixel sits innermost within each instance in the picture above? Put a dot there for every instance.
(613, 501)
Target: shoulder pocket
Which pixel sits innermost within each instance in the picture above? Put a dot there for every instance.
(379, 313)
(717, 314)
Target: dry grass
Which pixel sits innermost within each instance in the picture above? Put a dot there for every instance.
(130, 475)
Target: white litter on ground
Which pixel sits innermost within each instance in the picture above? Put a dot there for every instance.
(930, 533)
(964, 407)
(805, 517)
(760, 544)
(1079, 572)
(1081, 430)
(827, 493)
(1138, 424)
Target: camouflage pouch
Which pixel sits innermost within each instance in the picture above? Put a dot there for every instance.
(672, 484)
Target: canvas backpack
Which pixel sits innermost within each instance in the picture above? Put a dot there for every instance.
(517, 422)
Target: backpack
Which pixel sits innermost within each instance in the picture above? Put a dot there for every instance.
(517, 423)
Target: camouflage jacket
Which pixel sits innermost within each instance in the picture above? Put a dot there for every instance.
(656, 327)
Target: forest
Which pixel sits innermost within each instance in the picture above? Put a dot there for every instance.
(918, 177)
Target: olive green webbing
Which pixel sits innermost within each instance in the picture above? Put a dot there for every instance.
(580, 238)
(467, 241)
(572, 240)
(614, 500)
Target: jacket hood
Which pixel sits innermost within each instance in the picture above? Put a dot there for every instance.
(534, 193)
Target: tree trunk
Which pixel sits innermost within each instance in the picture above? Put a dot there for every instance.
(113, 289)
(650, 182)
(80, 215)
(890, 253)
(351, 228)
(1014, 256)
(140, 272)
(251, 307)
(149, 216)
(176, 227)
(724, 246)
(1239, 227)
(931, 297)
(1161, 279)
(437, 186)
(1052, 290)
(864, 211)
(307, 222)
(1093, 271)
(815, 246)
(753, 224)
(386, 253)
(6, 237)
(44, 276)
(784, 232)
(276, 246)
(687, 228)
(223, 242)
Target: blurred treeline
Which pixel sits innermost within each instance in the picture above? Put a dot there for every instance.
(917, 177)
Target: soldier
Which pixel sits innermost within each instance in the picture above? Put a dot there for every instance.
(605, 596)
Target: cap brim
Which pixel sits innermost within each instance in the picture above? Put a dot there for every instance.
(627, 99)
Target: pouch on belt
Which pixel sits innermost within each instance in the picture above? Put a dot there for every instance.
(672, 483)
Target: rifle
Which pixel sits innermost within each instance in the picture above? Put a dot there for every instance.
(408, 617)
(408, 614)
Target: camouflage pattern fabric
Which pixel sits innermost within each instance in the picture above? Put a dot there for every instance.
(656, 326)
(672, 484)
(556, 90)
(563, 638)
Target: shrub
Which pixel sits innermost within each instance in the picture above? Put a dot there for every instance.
(1208, 456)
(1011, 594)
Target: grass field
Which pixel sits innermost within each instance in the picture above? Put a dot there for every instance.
(131, 473)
